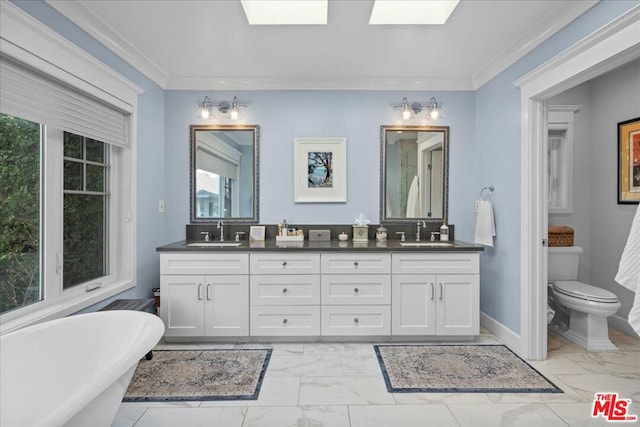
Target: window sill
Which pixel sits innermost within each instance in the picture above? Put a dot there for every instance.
(64, 308)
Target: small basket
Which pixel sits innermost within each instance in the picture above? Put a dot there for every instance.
(560, 236)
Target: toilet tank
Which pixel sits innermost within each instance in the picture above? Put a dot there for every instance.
(563, 262)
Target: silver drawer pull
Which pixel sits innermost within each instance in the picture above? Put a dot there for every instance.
(355, 320)
(208, 291)
(284, 290)
(199, 291)
(284, 321)
(433, 291)
(441, 291)
(356, 290)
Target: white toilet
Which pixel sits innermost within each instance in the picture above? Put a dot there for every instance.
(589, 306)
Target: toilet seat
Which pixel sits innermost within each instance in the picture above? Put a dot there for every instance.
(584, 292)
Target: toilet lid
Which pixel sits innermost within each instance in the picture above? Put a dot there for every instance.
(584, 291)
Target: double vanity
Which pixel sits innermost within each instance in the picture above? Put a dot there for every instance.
(319, 290)
(315, 290)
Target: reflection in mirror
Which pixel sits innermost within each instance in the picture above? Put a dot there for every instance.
(224, 173)
(414, 173)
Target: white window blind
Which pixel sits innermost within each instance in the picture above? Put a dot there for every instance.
(28, 94)
(209, 162)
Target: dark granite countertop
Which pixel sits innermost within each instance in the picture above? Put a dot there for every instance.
(328, 246)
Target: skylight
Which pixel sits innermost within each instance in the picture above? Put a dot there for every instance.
(285, 12)
(411, 12)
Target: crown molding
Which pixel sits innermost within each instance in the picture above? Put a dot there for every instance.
(79, 14)
(306, 83)
(530, 41)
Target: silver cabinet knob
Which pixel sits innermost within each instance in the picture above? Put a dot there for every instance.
(284, 263)
(356, 290)
(284, 290)
(284, 321)
(355, 320)
(355, 263)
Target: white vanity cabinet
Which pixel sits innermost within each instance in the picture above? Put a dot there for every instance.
(285, 294)
(435, 293)
(355, 294)
(204, 294)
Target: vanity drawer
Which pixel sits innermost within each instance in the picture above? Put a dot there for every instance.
(199, 263)
(356, 289)
(285, 320)
(356, 263)
(435, 263)
(285, 263)
(285, 289)
(356, 320)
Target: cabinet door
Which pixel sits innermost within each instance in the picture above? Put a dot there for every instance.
(457, 304)
(226, 311)
(413, 304)
(182, 308)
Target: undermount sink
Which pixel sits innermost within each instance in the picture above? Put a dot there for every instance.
(214, 244)
(426, 244)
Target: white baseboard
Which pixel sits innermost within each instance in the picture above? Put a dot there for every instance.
(621, 324)
(504, 334)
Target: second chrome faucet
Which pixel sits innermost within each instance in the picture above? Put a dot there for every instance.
(221, 227)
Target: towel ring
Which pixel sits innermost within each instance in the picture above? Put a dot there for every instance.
(486, 192)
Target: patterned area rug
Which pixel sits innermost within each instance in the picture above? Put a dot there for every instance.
(174, 375)
(458, 369)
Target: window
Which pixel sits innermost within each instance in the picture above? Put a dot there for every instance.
(67, 176)
(560, 158)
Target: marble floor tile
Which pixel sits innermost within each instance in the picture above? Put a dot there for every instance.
(360, 365)
(568, 394)
(436, 415)
(557, 363)
(506, 415)
(305, 365)
(625, 342)
(558, 343)
(338, 348)
(127, 416)
(192, 417)
(444, 398)
(297, 416)
(344, 391)
(275, 391)
(626, 385)
(607, 362)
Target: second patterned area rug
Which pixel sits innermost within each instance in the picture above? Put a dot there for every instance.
(180, 375)
(458, 368)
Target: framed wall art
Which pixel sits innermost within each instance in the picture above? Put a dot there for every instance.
(629, 161)
(319, 170)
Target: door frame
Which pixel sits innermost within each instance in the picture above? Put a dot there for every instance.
(614, 45)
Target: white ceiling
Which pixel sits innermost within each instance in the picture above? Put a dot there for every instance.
(208, 45)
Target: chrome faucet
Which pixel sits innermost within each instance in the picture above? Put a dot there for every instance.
(206, 236)
(424, 224)
(221, 227)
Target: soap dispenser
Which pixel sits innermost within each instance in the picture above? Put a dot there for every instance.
(444, 232)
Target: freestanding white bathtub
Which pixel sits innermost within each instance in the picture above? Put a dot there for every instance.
(72, 371)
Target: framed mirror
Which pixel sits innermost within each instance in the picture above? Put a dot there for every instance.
(224, 173)
(414, 173)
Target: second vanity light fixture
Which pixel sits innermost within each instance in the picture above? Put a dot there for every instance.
(224, 107)
(433, 107)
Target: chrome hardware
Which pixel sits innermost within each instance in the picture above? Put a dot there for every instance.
(206, 235)
(440, 292)
(424, 224)
(401, 233)
(238, 234)
(208, 292)
(355, 263)
(284, 263)
(284, 321)
(356, 290)
(199, 291)
(433, 291)
(355, 320)
(221, 227)
(284, 290)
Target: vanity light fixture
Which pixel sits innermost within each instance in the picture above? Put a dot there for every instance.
(416, 108)
(224, 107)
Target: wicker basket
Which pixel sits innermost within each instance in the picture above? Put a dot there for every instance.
(560, 236)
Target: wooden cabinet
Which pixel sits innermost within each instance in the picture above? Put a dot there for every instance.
(195, 305)
(285, 294)
(424, 303)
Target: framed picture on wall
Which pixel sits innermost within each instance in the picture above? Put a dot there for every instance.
(629, 161)
(319, 170)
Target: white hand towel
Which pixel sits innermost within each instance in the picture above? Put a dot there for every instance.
(485, 224)
(629, 270)
(413, 199)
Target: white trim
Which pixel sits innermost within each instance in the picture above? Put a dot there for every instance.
(504, 334)
(28, 41)
(525, 44)
(79, 14)
(611, 46)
